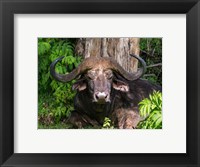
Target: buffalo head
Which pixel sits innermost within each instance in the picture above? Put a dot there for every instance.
(99, 75)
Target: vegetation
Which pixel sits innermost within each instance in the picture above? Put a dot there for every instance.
(55, 99)
(151, 112)
(151, 52)
(107, 124)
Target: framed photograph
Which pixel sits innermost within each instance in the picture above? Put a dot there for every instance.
(101, 86)
(99, 83)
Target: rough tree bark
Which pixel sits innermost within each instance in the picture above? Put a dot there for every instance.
(119, 48)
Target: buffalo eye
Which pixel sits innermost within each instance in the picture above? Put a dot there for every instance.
(109, 75)
(91, 76)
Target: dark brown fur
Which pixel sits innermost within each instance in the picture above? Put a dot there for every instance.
(123, 108)
(105, 89)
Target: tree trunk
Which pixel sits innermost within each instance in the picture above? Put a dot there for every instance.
(119, 48)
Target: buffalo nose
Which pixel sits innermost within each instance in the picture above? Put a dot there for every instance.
(101, 95)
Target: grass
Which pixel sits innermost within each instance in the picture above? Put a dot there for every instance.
(54, 126)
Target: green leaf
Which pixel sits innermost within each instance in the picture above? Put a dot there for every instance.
(151, 109)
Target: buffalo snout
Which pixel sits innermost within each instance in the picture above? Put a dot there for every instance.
(101, 97)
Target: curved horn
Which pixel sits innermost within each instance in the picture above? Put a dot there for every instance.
(130, 76)
(91, 62)
(63, 77)
(87, 64)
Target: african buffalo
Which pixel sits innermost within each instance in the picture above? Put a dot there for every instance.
(105, 89)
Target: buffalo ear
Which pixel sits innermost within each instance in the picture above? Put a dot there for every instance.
(120, 85)
(79, 85)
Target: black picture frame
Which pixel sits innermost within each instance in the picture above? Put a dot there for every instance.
(10, 7)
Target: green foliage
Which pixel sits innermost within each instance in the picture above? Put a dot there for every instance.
(55, 98)
(59, 125)
(107, 124)
(151, 111)
(151, 52)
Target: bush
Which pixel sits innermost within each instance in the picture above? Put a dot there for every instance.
(107, 124)
(55, 98)
(151, 52)
(151, 112)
